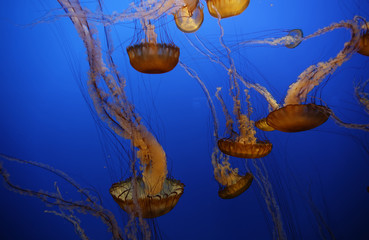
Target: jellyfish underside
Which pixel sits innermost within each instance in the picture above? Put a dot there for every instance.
(237, 188)
(187, 21)
(148, 206)
(153, 57)
(298, 117)
(244, 150)
(297, 36)
(226, 8)
(364, 45)
(263, 125)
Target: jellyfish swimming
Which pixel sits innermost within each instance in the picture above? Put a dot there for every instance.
(296, 35)
(189, 21)
(226, 8)
(298, 117)
(150, 206)
(232, 183)
(152, 57)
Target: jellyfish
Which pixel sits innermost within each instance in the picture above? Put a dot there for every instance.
(296, 35)
(243, 144)
(189, 21)
(149, 56)
(232, 183)
(226, 8)
(151, 206)
(298, 117)
(150, 194)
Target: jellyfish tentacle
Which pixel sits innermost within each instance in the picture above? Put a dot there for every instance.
(313, 75)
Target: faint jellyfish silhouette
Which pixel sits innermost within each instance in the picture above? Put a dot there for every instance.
(296, 36)
(226, 8)
(189, 21)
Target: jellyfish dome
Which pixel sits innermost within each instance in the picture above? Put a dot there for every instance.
(226, 8)
(298, 117)
(296, 36)
(237, 188)
(188, 21)
(153, 57)
(148, 206)
(244, 150)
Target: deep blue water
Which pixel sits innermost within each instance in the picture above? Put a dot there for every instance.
(45, 118)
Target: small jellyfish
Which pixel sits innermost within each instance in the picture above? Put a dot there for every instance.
(239, 149)
(226, 8)
(231, 183)
(188, 21)
(237, 188)
(294, 38)
(298, 117)
(148, 206)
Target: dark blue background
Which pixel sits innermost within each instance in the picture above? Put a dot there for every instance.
(44, 118)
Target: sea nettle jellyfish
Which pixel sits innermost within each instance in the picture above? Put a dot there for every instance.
(189, 20)
(151, 194)
(244, 143)
(232, 184)
(150, 53)
(298, 116)
(226, 8)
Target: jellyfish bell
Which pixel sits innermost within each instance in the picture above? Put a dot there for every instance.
(241, 184)
(239, 149)
(226, 8)
(149, 206)
(153, 57)
(294, 38)
(263, 125)
(189, 21)
(298, 117)
(150, 53)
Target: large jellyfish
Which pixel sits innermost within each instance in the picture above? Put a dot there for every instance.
(154, 194)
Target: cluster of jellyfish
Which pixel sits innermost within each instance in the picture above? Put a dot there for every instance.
(149, 192)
